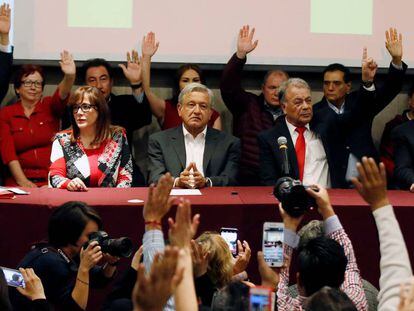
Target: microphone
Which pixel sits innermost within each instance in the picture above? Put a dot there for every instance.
(282, 142)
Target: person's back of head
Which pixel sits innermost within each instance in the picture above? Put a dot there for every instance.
(321, 262)
(68, 221)
(234, 297)
(311, 230)
(329, 299)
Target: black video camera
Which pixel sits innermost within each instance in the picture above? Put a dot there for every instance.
(293, 196)
(121, 247)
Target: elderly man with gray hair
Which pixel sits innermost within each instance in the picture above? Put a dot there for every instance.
(196, 156)
(312, 139)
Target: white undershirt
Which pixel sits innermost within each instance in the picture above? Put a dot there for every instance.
(194, 148)
(316, 170)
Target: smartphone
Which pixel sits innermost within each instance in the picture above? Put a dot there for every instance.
(260, 299)
(13, 277)
(273, 243)
(230, 236)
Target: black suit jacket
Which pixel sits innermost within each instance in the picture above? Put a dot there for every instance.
(403, 137)
(166, 151)
(358, 140)
(6, 62)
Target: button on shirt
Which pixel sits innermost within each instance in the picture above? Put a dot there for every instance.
(316, 165)
(194, 148)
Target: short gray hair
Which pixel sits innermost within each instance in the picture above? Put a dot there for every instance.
(310, 231)
(196, 87)
(292, 82)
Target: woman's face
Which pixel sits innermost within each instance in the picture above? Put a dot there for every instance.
(90, 227)
(189, 76)
(31, 87)
(85, 114)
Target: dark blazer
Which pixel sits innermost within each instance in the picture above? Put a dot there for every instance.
(6, 62)
(166, 151)
(358, 139)
(403, 137)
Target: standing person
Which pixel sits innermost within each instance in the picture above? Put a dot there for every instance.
(93, 153)
(27, 127)
(166, 110)
(252, 113)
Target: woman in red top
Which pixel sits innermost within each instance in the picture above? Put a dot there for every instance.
(93, 153)
(166, 110)
(27, 127)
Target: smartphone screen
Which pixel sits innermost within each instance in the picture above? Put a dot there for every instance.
(13, 277)
(260, 299)
(273, 244)
(230, 236)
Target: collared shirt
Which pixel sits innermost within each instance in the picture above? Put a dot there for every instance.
(274, 111)
(316, 168)
(194, 148)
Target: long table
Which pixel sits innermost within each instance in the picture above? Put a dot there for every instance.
(23, 220)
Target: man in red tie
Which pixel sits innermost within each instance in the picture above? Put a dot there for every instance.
(310, 139)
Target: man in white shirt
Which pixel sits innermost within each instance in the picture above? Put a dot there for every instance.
(196, 155)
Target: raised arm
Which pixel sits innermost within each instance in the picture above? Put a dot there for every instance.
(149, 48)
(133, 72)
(6, 57)
(234, 96)
(4, 23)
(68, 67)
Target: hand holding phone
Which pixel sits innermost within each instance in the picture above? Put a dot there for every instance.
(230, 235)
(13, 277)
(273, 243)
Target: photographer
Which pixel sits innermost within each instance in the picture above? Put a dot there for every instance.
(65, 267)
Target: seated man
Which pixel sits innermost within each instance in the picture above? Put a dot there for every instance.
(196, 155)
(323, 261)
(252, 113)
(403, 139)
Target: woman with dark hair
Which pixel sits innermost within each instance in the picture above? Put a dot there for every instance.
(166, 110)
(64, 265)
(27, 127)
(93, 153)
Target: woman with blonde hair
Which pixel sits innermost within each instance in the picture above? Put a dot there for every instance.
(93, 153)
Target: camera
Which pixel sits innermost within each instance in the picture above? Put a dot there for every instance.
(121, 247)
(293, 196)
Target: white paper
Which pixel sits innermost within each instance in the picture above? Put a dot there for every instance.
(135, 201)
(15, 190)
(178, 192)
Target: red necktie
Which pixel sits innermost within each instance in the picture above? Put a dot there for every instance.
(300, 148)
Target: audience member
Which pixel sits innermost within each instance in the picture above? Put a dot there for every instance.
(27, 127)
(166, 110)
(64, 265)
(387, 145)
(357, 142)
(330, 299)
(403, 140)
(196, 155)
(395, 264)
(93, 153)
(252, 113)
(311, 139)
(6, 51)
(323, 261)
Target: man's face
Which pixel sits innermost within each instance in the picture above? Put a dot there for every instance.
(334, 87)
(270, 89)
(195, 111)
(99, 78)
(298, 106)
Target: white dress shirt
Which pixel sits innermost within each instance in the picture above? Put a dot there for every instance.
(316, 170)
(194, 148)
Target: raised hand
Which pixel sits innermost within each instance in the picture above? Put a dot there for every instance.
(67, 64)
(200, 259)
(243, 257)
(90, 256)
(149, 45)
(34, 287)
(270, 277)
(393, 43)
(183, 229)
(152, 292)
(369, 67)
(291, 223)
(406, 297)
(245, 43)
(159, 201)
(132, 70)
(5, 19)
(137, 258)
(323, 202)
(371, 183)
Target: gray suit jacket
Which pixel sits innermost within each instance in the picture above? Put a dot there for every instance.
(166, 151)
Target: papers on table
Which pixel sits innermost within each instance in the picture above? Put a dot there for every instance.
(178, 192)
(135, 201)
(15, 190)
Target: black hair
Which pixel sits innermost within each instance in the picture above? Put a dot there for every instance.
(338, 67)
(235, 296)
(180, 71)
(4, 293)
(96, 62)
(330, 299)
(322, 262)
(68, 221)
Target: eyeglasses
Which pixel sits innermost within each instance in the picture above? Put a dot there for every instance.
(29, 83)
(83, 107)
